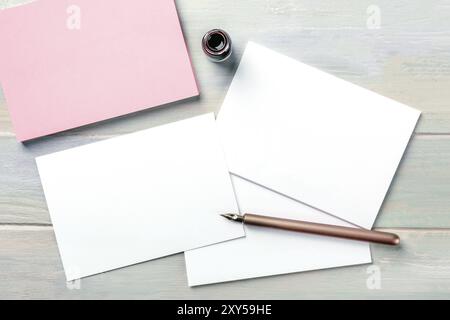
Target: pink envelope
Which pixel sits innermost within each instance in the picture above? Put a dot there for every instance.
(68, 63)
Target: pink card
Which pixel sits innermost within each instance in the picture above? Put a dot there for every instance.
(68, 63)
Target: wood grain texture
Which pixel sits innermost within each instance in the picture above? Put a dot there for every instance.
(405, 59)
(31, 269)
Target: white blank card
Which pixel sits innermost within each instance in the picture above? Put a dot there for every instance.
(264, 251)
(139, 197)
(311, 136)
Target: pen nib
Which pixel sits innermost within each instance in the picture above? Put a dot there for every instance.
(233, 217)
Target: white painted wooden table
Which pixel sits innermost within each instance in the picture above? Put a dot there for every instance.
(407, 58)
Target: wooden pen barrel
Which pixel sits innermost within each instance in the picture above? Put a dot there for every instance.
(323, 229)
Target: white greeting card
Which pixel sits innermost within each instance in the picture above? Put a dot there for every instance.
(139, 197)
(311, 136)
(265, 251)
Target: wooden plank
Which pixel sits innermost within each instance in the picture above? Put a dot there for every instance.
(406, 59)
(31, 269)
(419, 196)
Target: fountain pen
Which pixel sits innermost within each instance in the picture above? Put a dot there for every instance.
(316, 228)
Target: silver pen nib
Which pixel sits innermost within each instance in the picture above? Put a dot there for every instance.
(233, 217)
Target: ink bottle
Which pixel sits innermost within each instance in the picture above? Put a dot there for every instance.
(217, 45)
